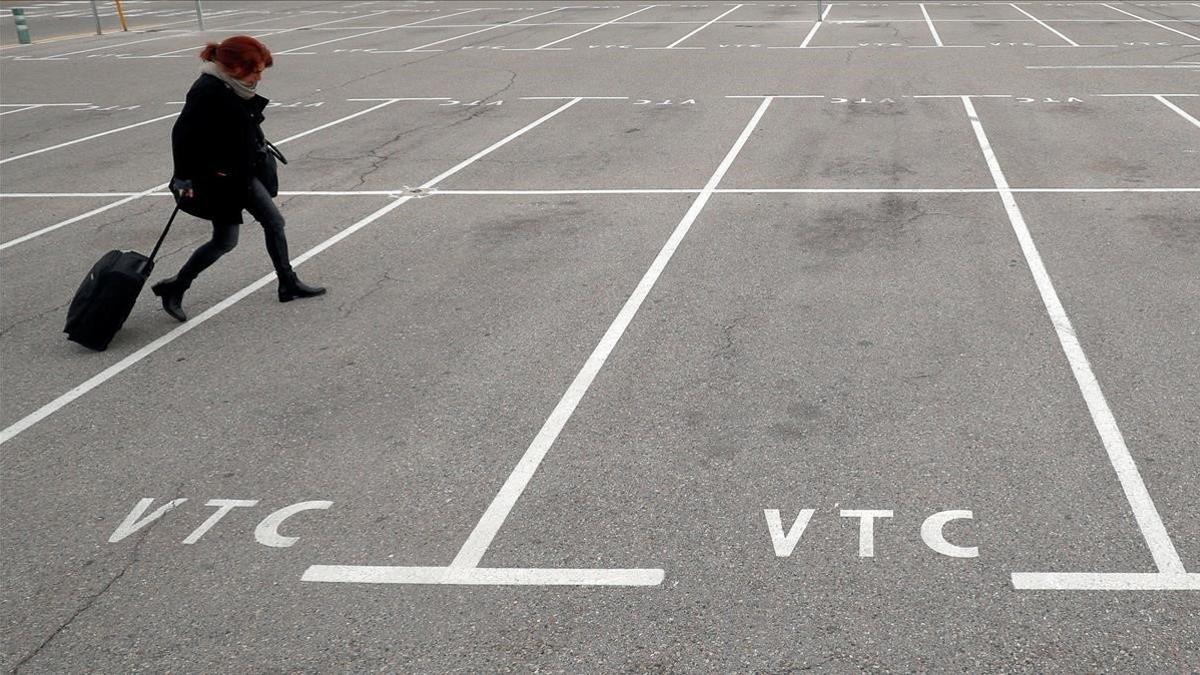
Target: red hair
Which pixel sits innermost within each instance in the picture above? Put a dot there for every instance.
(240, 55)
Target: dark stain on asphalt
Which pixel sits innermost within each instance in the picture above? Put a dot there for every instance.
(1119, 166)
(804, 411)
(884, 225)
(1175, 231)
(840, 168)
(1073, 109)
(877, 109)
(517, 235)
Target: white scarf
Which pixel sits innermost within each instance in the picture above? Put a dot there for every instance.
(240, 88)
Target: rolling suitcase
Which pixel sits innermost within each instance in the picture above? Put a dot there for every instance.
(108, 294)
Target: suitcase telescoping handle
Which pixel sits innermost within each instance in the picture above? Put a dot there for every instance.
(275, 151)
(163, 236)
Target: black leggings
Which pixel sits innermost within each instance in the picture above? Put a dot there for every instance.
(225, 237)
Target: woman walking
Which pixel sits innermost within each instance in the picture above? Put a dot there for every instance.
(224, 165)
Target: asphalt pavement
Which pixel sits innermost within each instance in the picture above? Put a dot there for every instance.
(660, 337)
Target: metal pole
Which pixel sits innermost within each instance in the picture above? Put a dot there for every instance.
(199, 15)
(18, 15)
(820, 10)
(121, 15)
(96, 13)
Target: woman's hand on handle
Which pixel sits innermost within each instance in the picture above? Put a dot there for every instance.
(183, 187)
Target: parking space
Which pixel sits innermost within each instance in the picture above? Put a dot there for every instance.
(973, 11)
(873, 33)
(614, 144)
(431, 136)
(1126, 268)
(1178, 11)
(1088, 143)
(829, 142)
(771, 12)
(444, 399)
(890, 11)
(25, 216)
(831, 352)
(1124, 33)
(996, 33)
(113, 159)
(1070, 11)
(745, 33)
(31, 131)
(646, 347)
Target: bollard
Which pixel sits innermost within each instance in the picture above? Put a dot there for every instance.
(96, 15)
(121, 15)
(22, 25)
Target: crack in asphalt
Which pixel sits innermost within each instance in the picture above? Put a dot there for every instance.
(349, 307)
(1190, 58)
(35, 317)
(147, 208)
(727, 330)
(483, 109)
(1162, 15)
(377, 160)
(377, 155)
(133, 558)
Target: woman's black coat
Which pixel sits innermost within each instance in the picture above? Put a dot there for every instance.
(217, 133)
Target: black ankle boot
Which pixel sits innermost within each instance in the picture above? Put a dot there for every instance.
(171, 291)
(291, 288)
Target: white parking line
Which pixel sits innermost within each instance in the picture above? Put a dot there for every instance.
(65, 195)
(808, 38)
(401, 191)
(1173, 30)
(763, 22)
(1182, 113)
(1155, 533)
(38, 105)
(124, 364)
(1044, 25)
(482, 576)
(1146, 95)
(22, 109)
(86, 138)
(937, 39)
(1167, 67)
(598, 191)
(1111, 581)
(675, 43)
